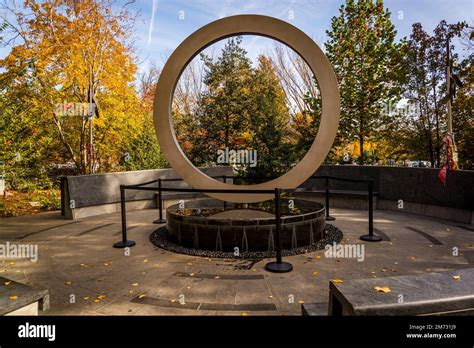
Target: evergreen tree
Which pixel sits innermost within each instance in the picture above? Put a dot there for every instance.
(268, 123)
(223, 112)
(362, 49)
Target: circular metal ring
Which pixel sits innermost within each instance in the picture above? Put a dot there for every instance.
(246, 25)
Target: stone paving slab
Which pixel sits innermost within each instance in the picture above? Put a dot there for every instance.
(77, 261)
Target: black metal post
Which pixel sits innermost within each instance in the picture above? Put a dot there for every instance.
(160, 205)
(224, 179)
(124, 243)
(279, 266)
(371, 237)
(328, 217)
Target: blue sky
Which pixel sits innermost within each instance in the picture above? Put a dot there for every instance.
(312, 16)
(164, 24)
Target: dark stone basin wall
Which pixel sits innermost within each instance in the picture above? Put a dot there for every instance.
(225, 234)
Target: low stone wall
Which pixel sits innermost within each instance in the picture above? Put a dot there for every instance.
(418, 189)
(89, 195)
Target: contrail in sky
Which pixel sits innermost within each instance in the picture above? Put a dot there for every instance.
(150, 29)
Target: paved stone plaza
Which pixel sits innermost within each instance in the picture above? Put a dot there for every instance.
(77, 262)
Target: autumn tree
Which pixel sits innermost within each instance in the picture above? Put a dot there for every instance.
(143, 150)
(463, 111)
(425, 88)
(71, 53)
(362, 49)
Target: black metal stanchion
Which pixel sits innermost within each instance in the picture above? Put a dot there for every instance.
(328, 217)
(224, 179)
(371, 237)
(124, 243)
(279, 266)
(160, 220)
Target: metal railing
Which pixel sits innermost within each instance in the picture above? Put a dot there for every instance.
(278, 265)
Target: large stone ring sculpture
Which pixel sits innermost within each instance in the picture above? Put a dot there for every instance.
(243, 25)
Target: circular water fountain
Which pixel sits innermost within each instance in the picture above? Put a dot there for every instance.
(205, 224)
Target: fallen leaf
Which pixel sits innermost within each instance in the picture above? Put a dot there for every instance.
(318, 257)
(216, 277)
(135, 284)
(173, 300)
(13, 298)
(96, 301)
(8, 283)
(130, 291)
(86, 298)
(145, 261)
(101, 297)
(270, 296)
(191, 274)
(189, 263)
(3, 270)
(456, 277)
(68, 282)
(11, 264)
(301, 302)
(245, 314)
(413, 258)
(315, 273)
(141, 296)
(337, 281)
(83, 265)
(384, 289)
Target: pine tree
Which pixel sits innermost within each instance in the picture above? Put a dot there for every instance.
(362, 49)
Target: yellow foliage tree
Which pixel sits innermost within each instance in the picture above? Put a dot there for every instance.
(74, 53)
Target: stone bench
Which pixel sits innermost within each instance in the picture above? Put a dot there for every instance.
(427, 294)
(28, 299)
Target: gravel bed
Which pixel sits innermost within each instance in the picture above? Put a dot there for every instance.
(159, 238)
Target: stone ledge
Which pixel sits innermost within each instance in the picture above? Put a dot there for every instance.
(28, 298)
(428, 294)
